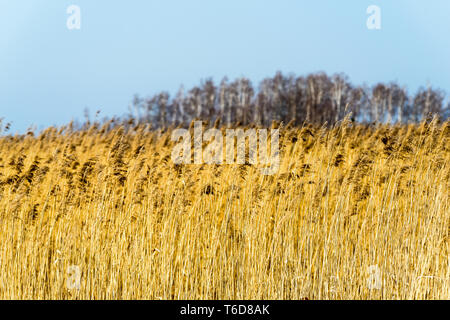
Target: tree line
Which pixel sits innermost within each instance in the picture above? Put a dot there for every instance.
(315, 98)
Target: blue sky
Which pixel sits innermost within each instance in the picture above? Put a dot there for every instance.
(49, 74)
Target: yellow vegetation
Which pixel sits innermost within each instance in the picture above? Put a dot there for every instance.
(355, 212)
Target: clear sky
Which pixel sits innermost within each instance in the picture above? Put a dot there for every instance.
(49, 74)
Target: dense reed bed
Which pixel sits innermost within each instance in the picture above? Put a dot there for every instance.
(355, 212)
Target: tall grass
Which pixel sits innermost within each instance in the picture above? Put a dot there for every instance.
(350, 205)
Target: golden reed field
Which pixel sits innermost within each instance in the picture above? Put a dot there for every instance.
(355, 212)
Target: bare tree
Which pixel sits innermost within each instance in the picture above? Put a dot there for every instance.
(177, 107)
(358, 100)
(340, 94)
(223, 98)
(315, 98)
(195, 99)
(379, 95)
(209, 98)
(163, 100)
(244, 98)
(426, 102)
